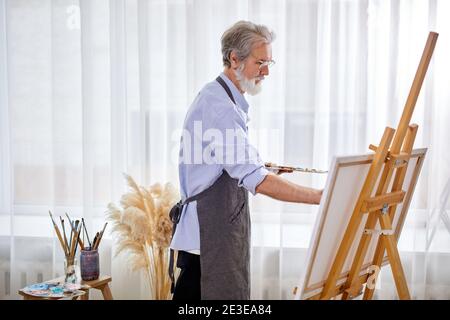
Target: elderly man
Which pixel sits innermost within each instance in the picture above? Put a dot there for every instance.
(212, 233)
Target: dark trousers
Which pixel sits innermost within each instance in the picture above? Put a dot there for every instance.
(187, 286)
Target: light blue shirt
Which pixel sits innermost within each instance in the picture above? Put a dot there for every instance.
(211, 115)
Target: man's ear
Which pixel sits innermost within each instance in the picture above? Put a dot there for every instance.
(234, 60)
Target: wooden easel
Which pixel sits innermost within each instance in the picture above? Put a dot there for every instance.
(394, 152)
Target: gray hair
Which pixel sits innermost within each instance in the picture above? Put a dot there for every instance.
(241, 37)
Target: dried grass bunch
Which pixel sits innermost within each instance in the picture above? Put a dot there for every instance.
(143, 229)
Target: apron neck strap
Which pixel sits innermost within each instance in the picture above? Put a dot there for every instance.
(225, 86)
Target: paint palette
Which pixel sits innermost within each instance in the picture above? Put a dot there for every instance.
(54, 290)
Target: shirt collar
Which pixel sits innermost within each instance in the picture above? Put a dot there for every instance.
(238, 96)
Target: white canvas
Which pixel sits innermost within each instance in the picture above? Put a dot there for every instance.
(344, 182)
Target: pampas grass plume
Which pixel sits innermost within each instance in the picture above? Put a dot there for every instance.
(143, 230)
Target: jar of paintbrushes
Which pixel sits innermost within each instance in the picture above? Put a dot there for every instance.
(89, 257)
(89, 267)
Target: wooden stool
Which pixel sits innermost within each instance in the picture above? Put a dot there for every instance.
(102, 284)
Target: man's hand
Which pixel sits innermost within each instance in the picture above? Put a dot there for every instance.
(277, 171)
(281, 171)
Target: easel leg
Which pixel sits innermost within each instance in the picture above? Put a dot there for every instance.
(389, 242)
(369, 291)
(397, 185)
(353, 282)
(391, 247)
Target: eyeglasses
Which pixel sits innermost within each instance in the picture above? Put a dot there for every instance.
(268, 63)
(264, 63)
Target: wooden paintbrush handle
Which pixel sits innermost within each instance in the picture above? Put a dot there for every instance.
(101, 235)
(74, 240)
(94, 242)
(58, 234)
(80, 242)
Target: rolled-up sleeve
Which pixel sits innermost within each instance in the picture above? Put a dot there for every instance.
(246, 165)
(253, 179)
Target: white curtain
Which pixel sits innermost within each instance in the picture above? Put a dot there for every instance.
(93, 88)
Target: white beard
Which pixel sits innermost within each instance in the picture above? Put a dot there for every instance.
(248, 85)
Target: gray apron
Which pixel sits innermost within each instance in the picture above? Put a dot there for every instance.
(224, 220)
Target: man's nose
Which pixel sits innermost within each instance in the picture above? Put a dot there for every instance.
(265, 70)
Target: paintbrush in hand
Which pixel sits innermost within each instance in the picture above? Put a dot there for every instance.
(273, 166)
